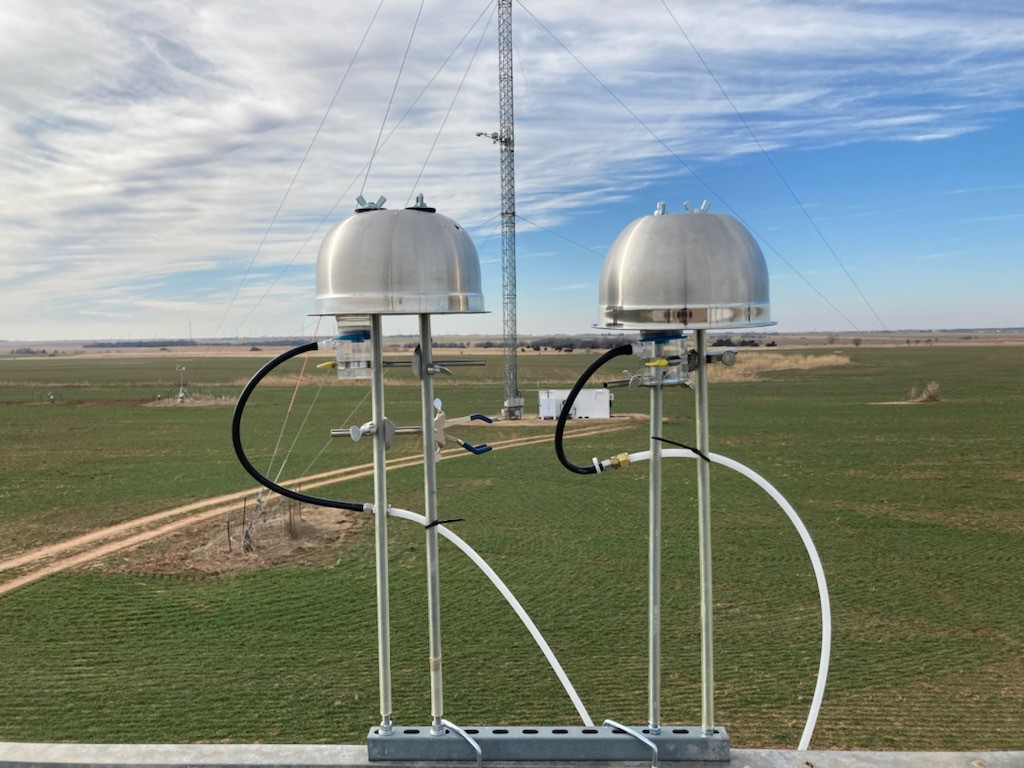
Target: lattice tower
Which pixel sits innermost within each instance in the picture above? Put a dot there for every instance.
(513, 408)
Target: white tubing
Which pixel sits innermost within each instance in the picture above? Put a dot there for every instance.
(405, 514)
(819, 572)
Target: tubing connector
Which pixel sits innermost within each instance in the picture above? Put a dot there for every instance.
(638, 736)
(467, 738)
(664, 362)
(619, 461)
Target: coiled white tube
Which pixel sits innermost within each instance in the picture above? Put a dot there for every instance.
(812, 552)
(405, 514)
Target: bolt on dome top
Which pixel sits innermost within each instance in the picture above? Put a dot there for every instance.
(403, 262)
(684, 271)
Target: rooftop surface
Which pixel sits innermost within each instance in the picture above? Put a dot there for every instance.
(16, 755)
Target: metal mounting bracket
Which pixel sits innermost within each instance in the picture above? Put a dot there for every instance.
(541, 743)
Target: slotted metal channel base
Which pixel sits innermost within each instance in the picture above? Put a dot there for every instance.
(539, 743)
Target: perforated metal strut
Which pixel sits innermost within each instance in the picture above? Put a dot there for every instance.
(543, 743)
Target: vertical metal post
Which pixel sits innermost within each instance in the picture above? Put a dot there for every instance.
(707, 722)
(430, 499)
(654, 563)
(380, 509)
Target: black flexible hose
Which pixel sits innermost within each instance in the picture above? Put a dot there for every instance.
(236, 437)
(625, 349)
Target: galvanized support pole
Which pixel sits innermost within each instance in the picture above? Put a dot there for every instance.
(654, 563)
(380, 509)
(707, 723)
(430, 500)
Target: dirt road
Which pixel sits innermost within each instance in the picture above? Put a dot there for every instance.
(38, 563)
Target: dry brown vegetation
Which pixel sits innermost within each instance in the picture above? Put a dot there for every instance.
(283, 532)
(930, 394)
(750, 365)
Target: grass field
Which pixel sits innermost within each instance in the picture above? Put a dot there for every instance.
(916, 510)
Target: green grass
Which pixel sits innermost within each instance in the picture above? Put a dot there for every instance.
(916, 511)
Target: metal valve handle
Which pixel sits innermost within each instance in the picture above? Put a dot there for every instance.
(474, 449)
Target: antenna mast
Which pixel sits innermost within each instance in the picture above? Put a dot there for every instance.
(506, 141)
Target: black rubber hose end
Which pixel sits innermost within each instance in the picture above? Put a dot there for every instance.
(236, 438)
(563, 417)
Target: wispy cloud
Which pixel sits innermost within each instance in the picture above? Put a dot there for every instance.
(570, 287)
(147, 147)
(993, 188)
(997, 217)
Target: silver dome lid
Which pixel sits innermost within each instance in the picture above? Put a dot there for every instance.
(404, 262)
(684, 271)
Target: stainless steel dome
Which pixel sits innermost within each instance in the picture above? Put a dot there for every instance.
(383, 262)
(684, 271)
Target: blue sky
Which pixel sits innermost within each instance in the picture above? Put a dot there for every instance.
(146, 147)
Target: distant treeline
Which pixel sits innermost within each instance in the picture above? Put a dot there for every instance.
(160, 343)
(560, 343)
(546, 343)
(572, 343)
(136, 344)
(728, 342)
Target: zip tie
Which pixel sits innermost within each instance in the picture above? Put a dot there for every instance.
(443, 522)
(680, 444)
(597, 464)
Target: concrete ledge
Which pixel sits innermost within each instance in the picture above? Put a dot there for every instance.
(18, 755)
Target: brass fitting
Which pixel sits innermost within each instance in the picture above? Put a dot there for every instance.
(620, 461)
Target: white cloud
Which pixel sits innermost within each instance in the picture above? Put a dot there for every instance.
(146, 146)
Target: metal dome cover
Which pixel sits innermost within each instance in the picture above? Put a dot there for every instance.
(684, 271)
(397, 262)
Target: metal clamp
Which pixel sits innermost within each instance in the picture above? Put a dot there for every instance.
(726, 357)
(370, 429)
(663, 375)
(441, 436)
(390, 430)
(435, 367)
